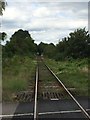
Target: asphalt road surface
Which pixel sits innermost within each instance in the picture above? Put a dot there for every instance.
(47, 109)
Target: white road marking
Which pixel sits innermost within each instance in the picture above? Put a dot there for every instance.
(54, 99)
(15, 115)
(62, 112)
(44, 113)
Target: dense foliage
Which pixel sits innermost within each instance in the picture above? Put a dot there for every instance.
(20, 43)
(76, 45)
(47, 50)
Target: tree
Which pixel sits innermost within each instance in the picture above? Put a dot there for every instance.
(3, 36)
(2, 6)
(50, 50)
(78, 43)
(47, 50)
(41, 48)
(75, 46)
(61, 49)
(20, 43)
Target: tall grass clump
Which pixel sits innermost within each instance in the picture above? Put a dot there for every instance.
(73, 73)
(16, 72)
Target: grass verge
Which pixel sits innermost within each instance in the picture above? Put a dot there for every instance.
(74, 74)
(16, 72)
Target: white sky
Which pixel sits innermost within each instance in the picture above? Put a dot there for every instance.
(46, 21)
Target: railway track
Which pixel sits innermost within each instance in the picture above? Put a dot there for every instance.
(47, 86)
(55, 90)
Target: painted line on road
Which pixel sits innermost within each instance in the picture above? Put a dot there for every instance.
(44, 113)
(62, 112)
(16, 115)
(53, 99)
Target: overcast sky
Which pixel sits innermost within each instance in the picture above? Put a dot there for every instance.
(47, 21)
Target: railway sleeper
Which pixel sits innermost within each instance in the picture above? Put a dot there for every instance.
(52, 95)
(24, 97)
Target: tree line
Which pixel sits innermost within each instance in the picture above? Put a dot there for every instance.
(76, 45)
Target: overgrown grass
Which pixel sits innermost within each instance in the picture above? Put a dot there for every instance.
(16, 74)
(73, 73)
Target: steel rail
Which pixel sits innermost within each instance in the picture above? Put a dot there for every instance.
(36, 95)
(82, 109)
